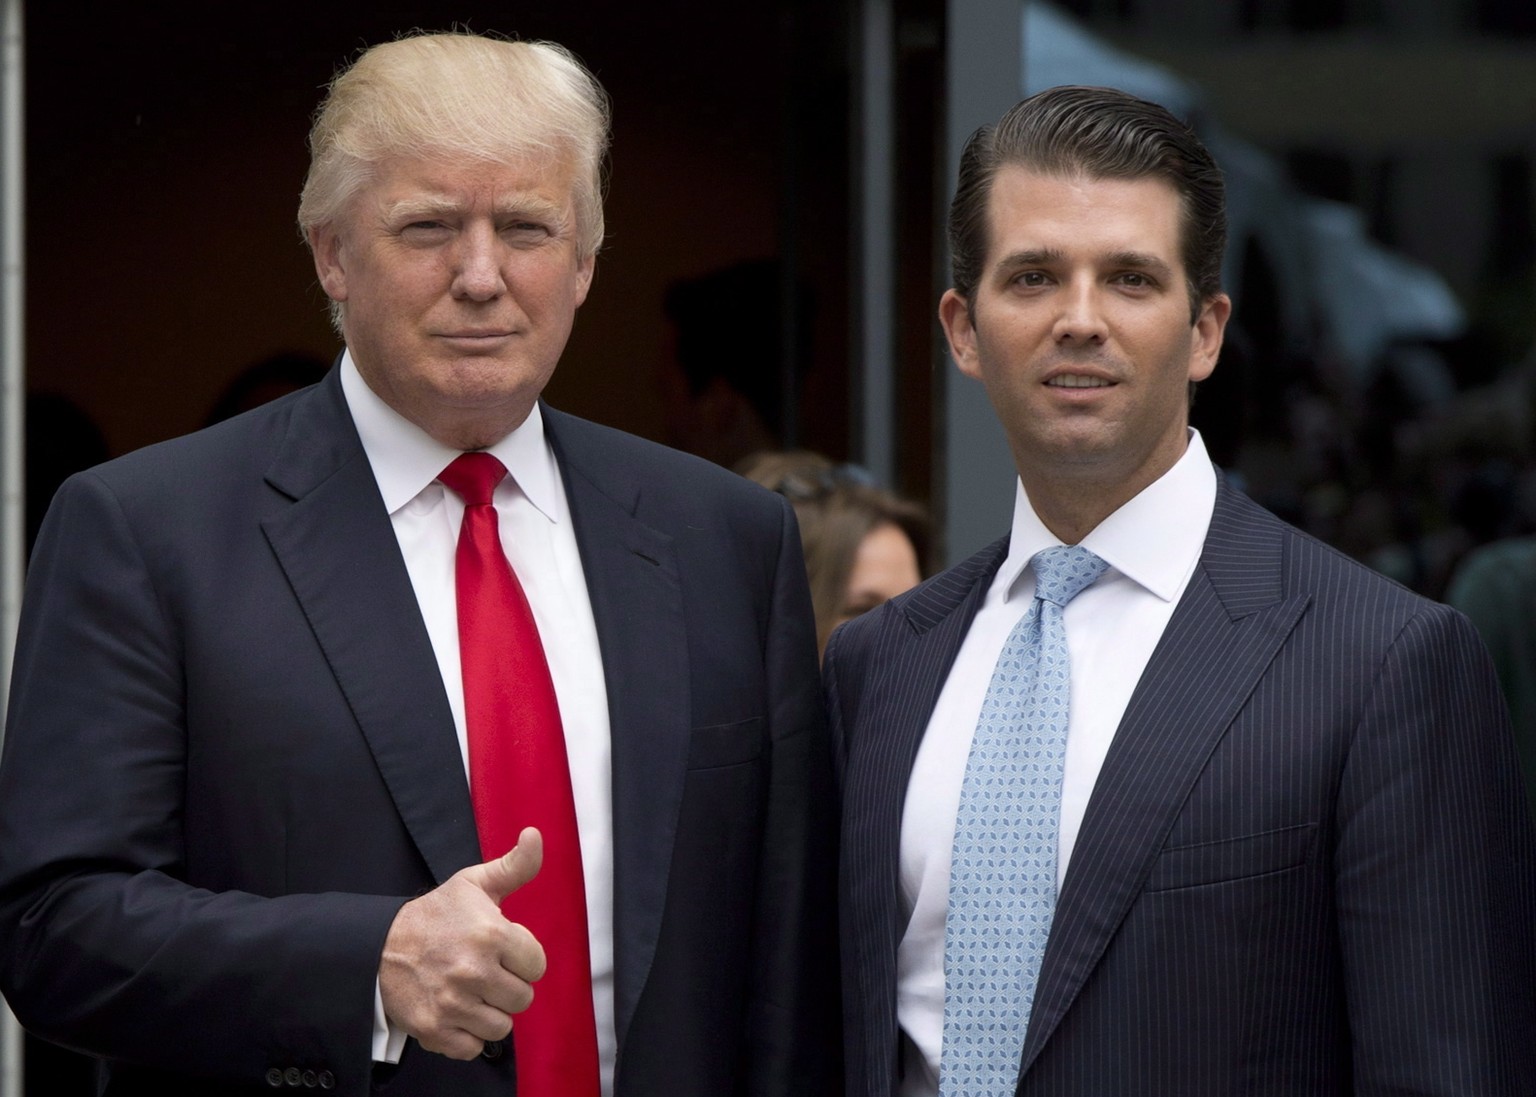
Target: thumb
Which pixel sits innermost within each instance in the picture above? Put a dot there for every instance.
(504, 875)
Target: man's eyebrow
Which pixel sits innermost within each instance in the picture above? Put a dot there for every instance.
(1139, 260)
(1030, 257)
(529, 205)
(420, 205)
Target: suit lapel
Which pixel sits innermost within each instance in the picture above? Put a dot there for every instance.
(907, 663)
(632, 581)
(339, 552)
(1227, 628)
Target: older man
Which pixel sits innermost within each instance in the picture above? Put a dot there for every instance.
(346, 729)
(1157, 795)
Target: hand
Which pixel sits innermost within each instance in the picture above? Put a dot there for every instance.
(453, 967)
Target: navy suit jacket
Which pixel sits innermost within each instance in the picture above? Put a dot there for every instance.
(230, 759)
(1306, 866)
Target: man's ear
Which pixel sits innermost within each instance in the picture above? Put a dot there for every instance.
(1210, 328)
(325, 246)
(585, 270)
(955, 316)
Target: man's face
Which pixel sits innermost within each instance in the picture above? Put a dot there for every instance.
(1081, 330)
(460, 283)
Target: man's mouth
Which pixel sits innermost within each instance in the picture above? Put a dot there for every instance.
(1078, 381)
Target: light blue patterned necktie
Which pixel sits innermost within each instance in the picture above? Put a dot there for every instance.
(1002, 885)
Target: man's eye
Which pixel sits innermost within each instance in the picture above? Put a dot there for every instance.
(1134, 278)
(1031, 278)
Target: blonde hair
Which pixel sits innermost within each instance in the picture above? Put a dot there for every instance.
(462, 96)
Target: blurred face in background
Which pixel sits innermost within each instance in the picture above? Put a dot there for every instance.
(863, 545)
(884, 566)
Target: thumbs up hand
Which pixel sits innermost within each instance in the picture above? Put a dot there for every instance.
(510, 871)
(453, 968)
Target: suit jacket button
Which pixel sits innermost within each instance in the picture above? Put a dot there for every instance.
(275, 1077)
(327, 1080)
(293, 1077)
(311, 1079)
(491, 1050)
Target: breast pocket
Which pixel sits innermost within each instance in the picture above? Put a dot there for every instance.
(1232, 858)
(725, 744)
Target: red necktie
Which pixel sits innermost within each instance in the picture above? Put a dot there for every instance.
(518, 777)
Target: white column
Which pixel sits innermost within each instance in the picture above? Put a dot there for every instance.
(12, 387)
(974, 473)
(874, 248)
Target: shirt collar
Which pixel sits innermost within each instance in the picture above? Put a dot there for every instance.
(406, 459)
(1154, 539)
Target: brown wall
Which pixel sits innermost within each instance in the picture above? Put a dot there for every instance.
(166, 153)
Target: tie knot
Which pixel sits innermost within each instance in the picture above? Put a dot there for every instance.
(1061, 573)
(472, 477)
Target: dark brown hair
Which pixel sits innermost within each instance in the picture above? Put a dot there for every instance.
(1103, 134)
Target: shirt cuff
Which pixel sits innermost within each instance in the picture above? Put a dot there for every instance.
(388, 1041)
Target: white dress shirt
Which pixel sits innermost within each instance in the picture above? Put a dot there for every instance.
(1152, 545)
(540, 543)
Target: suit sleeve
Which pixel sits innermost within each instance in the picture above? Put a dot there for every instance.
(795, 1033)
(1436, 889)
(109, 949)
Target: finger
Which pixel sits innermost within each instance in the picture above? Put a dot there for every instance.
(504, 875)
(490, 1020)
(467, 1041)
(522, 956)
(455, 1044)
(508, 996)
(464, 1027)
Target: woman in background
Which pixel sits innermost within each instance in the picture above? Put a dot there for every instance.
(863, 545)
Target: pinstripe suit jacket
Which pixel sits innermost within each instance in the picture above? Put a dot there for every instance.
(1306, 866)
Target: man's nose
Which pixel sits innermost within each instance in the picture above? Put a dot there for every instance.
(477, 272)
(1081, 319)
